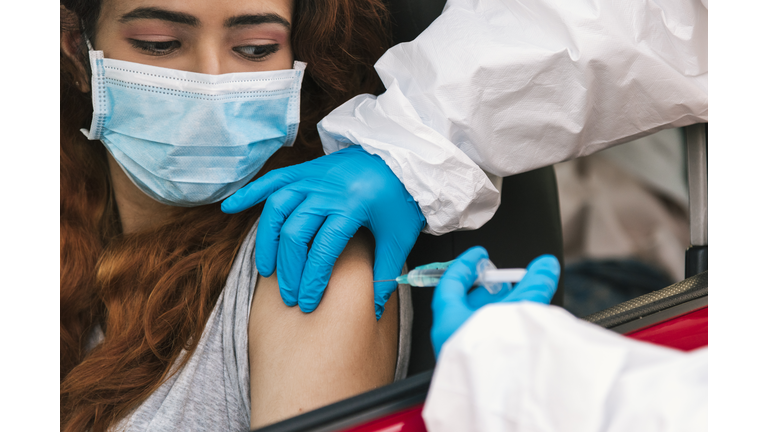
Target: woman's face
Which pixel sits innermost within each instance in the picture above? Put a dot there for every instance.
(204, 36)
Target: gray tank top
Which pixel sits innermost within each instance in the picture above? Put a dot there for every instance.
(212, 391)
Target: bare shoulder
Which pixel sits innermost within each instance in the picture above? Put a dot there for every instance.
(300, 361)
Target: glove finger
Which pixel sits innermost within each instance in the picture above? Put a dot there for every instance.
(295, 236)
(388, 264)
(329, 242)
(260, 189)
(277, 209)
(540, 283)
(458, 278)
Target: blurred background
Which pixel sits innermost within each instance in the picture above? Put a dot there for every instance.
(625, 221)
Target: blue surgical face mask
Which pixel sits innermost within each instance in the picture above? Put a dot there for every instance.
(188, 139)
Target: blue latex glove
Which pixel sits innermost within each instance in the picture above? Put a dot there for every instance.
(328, 199)
(452, 306)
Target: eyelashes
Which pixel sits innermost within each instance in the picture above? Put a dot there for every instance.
(256, 52)
(248, 52)
(155, 48)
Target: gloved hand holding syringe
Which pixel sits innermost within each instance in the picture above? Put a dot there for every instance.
(488, 275)
(454, 300)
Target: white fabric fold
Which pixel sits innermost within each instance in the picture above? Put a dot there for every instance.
(506, 87)
(532, 367)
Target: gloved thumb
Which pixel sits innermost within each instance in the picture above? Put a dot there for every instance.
(540, 283)
(260, 189)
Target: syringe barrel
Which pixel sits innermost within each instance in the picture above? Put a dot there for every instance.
(512, 275)
(488, 277)
(425, 277)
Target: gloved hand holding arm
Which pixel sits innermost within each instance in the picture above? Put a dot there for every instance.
(328, 199)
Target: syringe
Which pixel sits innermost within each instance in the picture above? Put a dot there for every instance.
(488, 275)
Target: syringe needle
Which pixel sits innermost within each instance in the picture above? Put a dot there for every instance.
(386, 280)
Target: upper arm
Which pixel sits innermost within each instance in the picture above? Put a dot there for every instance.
(299, 362)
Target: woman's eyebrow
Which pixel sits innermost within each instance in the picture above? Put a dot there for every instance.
(247, 20)
(160, 14)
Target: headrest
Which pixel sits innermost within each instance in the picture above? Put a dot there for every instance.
(411, 17)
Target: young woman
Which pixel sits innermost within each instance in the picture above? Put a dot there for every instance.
(165, 323)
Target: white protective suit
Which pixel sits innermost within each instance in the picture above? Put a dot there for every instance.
(532, 367)
(498, 87)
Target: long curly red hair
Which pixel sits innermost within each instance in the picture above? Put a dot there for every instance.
(152, 292)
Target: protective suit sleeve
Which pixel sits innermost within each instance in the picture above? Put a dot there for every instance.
(497, 87)
(533, 367)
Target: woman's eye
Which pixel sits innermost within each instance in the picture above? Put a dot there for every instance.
(256, 52)
(156, 48)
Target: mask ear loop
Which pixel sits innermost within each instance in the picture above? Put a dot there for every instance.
(88, 46)
(85, 37)
(88, 43)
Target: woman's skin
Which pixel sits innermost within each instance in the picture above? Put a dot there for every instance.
(298, 361)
